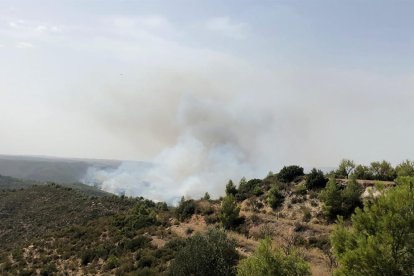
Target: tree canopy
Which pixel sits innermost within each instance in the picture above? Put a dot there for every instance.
(381, 240)
(289, 173)
(316, 179)
(204, 255)
(268, 261)
(229, 212)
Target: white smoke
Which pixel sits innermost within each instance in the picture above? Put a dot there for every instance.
(201, 117)
(212, 147)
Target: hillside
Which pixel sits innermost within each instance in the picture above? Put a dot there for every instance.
(32, 212)
(52, 229)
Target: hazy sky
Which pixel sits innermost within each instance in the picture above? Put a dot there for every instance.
(281, 82)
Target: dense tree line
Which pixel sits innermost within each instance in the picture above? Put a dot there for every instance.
(378, 170)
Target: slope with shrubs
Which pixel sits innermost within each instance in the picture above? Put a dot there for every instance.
(31, 212)
(279, 225)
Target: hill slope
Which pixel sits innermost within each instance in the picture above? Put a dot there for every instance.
(32, 212)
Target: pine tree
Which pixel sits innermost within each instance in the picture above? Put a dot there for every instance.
(381, 240)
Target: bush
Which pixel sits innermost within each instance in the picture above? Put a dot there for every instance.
(406, 168)
(290, 173)
(362, 172)
(382, 171)
(351, 197)
(206, 196)
(248, 189)
(381, 240)
(275, 198)
(112, 262)
(316, 179)
(146, 260)
(345, 168)
(300, 189)
(338, 201)
(185, 209)
(267, 261)
(229, 212)
(231, 188)
(331, 198)
(211, 254)
(307, 216)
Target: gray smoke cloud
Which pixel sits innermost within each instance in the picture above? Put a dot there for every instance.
(203, 131)
(198, 123)
(202, 99)
(216, 141)
(201, 117)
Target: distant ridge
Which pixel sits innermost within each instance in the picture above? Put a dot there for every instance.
(55, 169)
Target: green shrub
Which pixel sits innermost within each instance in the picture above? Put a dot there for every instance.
(275, 198)
(331, 198)
(316, 179)
(381, 240)
(351, 197)
(300, 189)
(136, 243)
(248, 189)
(267, 261)
(405, 168)
(231, 188)
(362, 172)
(147, 260)
(382, 171)
(229, 212)
(210, 254)
(206, 196)
(290, 173)
(112, 262)
(185, 209)
(341, 201)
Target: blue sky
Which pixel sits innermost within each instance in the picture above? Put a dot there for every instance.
(315, 81)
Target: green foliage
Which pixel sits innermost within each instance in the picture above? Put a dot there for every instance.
(345, 168)
(331, 198)
(231, 188)
(290, 173)
(267, 261)
(248, 189)
(112, 262)
(405, 168)
(211, 254)
(229, 212)
(341, 201)
(381, 240)
(351, 197)
(316, 179)
(300, 189)
(47, 208)
(257, 191)
(206, 196)
(140, 216)
(362, 172)
(185, 209)
(382, 171)
(275, 198)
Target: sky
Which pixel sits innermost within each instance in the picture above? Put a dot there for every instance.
(254, 84)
